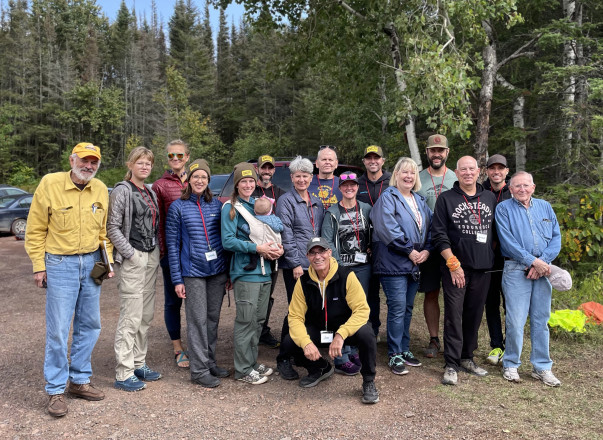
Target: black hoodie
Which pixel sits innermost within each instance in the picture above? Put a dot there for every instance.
(456, 222)
(369, 191)
(501, 195)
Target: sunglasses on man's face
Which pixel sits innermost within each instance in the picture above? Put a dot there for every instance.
(350, 176)
(330, 147)
(178, 156)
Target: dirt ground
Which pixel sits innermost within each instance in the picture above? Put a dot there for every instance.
(414, 406)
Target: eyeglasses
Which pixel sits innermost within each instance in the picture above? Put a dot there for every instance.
(198, 176)
(330, 147)
(350, 176)
(320, 252)
(144, 164)
(171, 156)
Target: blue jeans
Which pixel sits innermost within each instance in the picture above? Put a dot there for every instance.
(525, 297)
(400, 291)
(71, 293)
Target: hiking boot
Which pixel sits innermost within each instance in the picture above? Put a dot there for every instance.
(450, 376)
(219, 372)
(495, 356)
(312, 379)
(57, 407)
(264, 370)
(396, 364)
(146, 374)
(547, 377)
(132, 383)
(207, 381)
(269, 341)
(348, 369)
(286, 370)
(511, 374)
(85, 391)
(355, 358)
(410, 360)
(254, 378)
(471, 367)
(369, 392)
(433, 348)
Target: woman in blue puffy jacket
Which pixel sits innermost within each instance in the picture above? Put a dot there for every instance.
(401, 241)
(198, 270)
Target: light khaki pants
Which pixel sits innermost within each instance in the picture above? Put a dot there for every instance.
(136, 283)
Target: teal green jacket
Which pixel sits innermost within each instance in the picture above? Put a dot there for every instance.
(236, 241)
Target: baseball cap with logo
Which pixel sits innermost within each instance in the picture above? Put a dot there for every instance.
(437, 141)
(263, 160)
(85, 149)
(317, 241)
(497, 158)
(373, 149)
(243, 170)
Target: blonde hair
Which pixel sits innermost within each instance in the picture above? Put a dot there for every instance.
(262, 206)
(405, 163)
(178, 142)
(135, 154)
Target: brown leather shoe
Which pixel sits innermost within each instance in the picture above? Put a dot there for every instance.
(57, 407)
(85, 391)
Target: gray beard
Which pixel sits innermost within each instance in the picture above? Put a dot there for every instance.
(80, 176)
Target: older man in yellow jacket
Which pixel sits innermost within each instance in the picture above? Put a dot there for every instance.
(328, 307)
(65, 228)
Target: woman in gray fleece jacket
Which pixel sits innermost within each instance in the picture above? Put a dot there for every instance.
(132, 227)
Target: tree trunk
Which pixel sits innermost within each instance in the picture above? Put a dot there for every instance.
(485, 100)
(411, 135)
(569, 59)
(518, 123)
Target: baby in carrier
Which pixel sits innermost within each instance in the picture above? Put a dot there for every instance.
(263, 228)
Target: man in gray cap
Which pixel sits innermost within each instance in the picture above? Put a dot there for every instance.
(435, 179)
(329, 307)
(530, 240)
(497, 182)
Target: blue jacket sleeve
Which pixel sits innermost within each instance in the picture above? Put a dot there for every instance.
(285, 211)
(173, 239)
(554, 246)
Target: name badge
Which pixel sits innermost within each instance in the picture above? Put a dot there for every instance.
(326, 337)
(211, 255)
(481, 237)
(360, 257)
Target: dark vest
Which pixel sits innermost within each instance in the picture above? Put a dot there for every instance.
(338, 311)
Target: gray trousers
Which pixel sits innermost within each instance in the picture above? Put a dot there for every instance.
(203, 304)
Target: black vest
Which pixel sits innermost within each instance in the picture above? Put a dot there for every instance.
(338, 311)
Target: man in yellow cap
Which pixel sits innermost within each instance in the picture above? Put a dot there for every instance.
(65, 230)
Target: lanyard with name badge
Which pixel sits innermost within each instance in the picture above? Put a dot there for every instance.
(211, 255)
(359, 257)
(149, 203)
(479, 236)
(326, 337)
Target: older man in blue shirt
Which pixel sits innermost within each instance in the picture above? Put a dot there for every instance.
(530, 240)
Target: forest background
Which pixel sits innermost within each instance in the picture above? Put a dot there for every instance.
(523, 78)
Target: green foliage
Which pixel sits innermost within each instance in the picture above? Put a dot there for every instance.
(22, 176)
(580, 214)
(254, 141)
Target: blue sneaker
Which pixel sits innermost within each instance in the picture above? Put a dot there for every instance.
(145, 373)
(130, 384)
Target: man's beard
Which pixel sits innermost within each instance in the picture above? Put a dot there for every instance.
(80, 176)
(437, 167)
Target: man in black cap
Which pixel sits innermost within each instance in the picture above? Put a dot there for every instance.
(265, 188)
(370, 186)
(329, 307)
(497, 182)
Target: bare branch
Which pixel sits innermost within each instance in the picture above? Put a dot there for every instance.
(520, 52)
(503, 82)
(351, 10)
